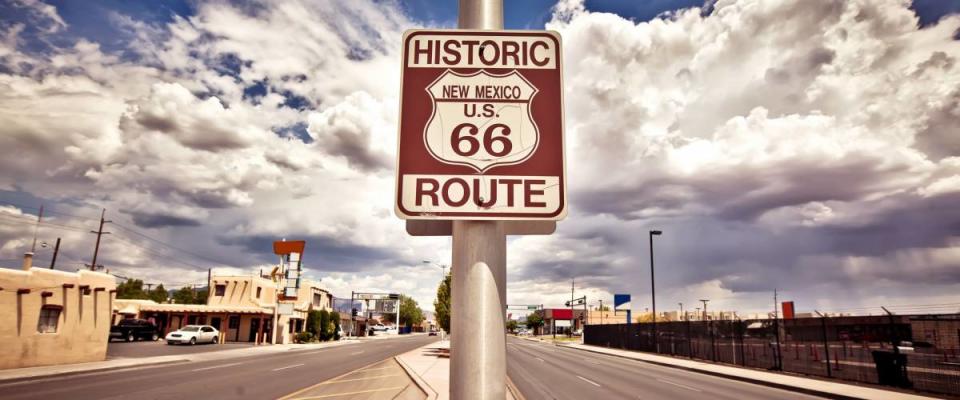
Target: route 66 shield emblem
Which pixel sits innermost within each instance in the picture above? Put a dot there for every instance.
(481, 120)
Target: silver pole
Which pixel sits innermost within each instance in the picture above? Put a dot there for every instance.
(478, 345)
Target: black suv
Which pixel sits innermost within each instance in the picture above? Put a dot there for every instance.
(133, 329)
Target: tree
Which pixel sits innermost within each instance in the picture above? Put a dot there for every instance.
(512, 325)
(410, 312)
(158, 294)
(324, 333)
(335, 317)
(441, 305)
(200, 297)
(313, 322)
(603, 308)
(131, 289)
(534, 321)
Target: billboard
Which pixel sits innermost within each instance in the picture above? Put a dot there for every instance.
(788, 311)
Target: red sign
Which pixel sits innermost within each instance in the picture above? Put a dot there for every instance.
(788, 312)
(561, 313)
(481, 126)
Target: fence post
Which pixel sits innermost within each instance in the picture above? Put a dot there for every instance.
(713, 344)
(741, 329)
(826, 345)
(689, 340)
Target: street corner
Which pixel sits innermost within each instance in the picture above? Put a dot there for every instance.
(382, 380)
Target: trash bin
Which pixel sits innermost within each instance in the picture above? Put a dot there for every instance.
(891, 369)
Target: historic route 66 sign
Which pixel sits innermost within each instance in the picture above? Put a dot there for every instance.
(481, 126)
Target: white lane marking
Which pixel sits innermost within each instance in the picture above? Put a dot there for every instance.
(679, 385)
(593, 362)
(538, 358)
(216, 366)
(289, 366)
(589, 381)
(357, 352)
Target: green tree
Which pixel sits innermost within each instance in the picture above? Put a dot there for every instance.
(184, 295)
(512, 325)
(534, 321)
(325, 332)
(335, 317)
(131, 289)
(158, 294)
(441, 305)
(201, 296)
(313, 322)
(410, 312)
(603, 308)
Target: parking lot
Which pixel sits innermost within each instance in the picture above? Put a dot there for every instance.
(140, 349)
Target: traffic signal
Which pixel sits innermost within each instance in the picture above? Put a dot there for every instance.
(353, 312)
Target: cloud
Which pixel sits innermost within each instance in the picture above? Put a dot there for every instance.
(804, 146)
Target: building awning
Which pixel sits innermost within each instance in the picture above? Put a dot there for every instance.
(204, 308)
(129, 310)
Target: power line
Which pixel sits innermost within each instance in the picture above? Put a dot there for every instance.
(169, 245)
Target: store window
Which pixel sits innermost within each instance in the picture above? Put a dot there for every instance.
(49, 319)
(219, 290)
(234, 322)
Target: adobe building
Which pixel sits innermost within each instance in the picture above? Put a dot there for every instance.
(53, 317)
(241, 307)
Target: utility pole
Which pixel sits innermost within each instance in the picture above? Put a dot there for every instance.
(33, 248)
(56, 250)
(776, 328)
(653, 293)
(572, 323)
(99, 232)
(682, 315)
(705, 315)
(601, 311)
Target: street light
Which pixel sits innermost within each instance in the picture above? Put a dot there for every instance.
(704, 308)
(682, 316)
(653, 291)
(443, 266)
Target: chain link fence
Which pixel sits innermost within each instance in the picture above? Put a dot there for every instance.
(856, 349)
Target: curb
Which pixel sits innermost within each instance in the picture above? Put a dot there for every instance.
(761, 382)
(417, 380)
(513, 390)
(88, 371)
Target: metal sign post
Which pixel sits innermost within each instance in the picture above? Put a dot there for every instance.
(480, 156)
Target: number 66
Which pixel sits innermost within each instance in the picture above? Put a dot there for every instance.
(473, 146)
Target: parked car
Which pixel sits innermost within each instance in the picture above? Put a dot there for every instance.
(433, 332)
(132, 329)
(379, 327)
(194, 334)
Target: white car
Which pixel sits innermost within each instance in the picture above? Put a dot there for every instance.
(194, 334)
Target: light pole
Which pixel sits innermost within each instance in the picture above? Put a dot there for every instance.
(704, 308)
(653, 291)
(682, 316)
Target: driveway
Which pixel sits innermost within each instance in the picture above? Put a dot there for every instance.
(161, 348)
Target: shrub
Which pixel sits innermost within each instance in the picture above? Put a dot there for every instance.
(303, 337)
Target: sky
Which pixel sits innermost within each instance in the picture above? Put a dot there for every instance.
(805, 146)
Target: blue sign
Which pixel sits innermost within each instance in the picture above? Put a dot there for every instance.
(621, 301)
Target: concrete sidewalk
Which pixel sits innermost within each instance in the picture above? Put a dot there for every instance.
(816, 387)
(430, 369)
(124, 363)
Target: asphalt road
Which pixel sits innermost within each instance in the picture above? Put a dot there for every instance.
(143, 349)
(259, 377)
(545, 371)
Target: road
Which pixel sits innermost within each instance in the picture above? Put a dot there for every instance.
(545, 371)
(260, 377)
(116, 350)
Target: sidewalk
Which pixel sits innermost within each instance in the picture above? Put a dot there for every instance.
(123, 363)
(430, 369)
(788, 382)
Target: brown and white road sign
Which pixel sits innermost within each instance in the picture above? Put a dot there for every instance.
(481, 126)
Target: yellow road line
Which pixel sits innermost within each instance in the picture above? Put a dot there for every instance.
(356, 379)
(347, 393)
(292, 395)
(369, 369)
